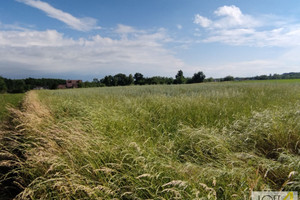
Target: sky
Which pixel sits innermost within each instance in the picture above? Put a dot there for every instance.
(86, 39)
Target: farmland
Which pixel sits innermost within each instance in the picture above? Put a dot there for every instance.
(209, 141)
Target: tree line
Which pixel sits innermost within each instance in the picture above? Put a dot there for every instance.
(23, 85)
(291, 75)
(139, 79)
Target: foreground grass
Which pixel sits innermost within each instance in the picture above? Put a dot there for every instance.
(7, 149)
(8, 100)
(200, 141)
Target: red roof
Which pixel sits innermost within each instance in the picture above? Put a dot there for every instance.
(73, 83)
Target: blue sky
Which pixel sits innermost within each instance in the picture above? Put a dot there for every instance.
(85, 39)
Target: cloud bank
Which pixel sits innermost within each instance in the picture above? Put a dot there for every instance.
(50, 52)
(231, 26)
(27, 52)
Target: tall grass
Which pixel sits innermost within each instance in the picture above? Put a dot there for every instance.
(200, 141)
(9, 156)
(8, 100)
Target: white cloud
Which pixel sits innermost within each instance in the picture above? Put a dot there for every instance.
(229, 17)
(123, 29)
(202, 21)
(80, 24)
(179, 26)
(287, 36)
(29, 38)
(12, 27)
(50, 52)
(235, 28)
(233, 17)
(231, 11)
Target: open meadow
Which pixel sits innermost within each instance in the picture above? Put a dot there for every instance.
(198, 141)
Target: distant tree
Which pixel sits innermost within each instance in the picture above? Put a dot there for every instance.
(188, 80)
(3, 87)
(276, 76)
(139, 79)
(291, 75)
(120, 79)
(80, 85)
(18, 86)
(9, 84)
(53, 85)
(108, 81)
(228, 78)
(152, 80)
(158, 80)
(85, 84)
(30, 83)
(169, 80)
(198, 77)
(130, 79)
(262, 77)
(179, 78)
(211, 79)
(95, 80)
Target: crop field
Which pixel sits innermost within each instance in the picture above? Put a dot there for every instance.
(198, 141)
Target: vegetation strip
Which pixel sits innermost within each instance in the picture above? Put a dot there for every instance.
(213, 141)
(23, 85)
(11, 154)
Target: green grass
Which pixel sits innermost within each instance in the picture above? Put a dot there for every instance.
(8, 100)
(209, 141)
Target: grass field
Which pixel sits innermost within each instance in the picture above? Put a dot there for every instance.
(275, 81)
(8, 99)
(199, 141)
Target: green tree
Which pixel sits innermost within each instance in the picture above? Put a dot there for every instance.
(3, 87)
(179, 78)
(139, 79)
(80, 85)
(198, 77)
(210, 79)
(120, 79)
(130, 79)
(18, 86)
(228, 78)
(108, 80)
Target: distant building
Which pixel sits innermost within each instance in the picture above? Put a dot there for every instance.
(73, 83)
(70, 84)
(61, 87)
